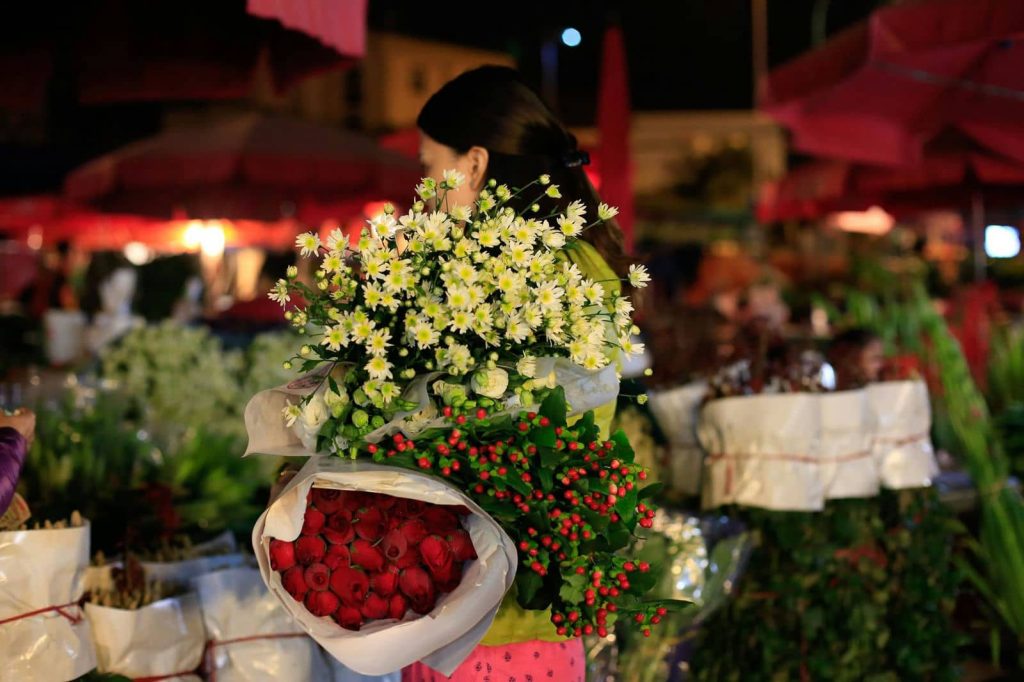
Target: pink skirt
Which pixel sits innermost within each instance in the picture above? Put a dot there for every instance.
(534, 661)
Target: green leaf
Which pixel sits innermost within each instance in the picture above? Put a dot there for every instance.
(544, 437)
(572, 589)
(554, 407)
(528, 589)
(650, 491)
(547, 478)
(551, 458)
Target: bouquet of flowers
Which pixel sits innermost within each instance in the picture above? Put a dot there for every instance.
(466, 344)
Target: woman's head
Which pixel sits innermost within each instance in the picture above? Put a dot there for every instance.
(487, 123)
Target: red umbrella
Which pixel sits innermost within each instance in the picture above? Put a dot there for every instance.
(122, 50)
(881, 90)
(251, 167)
(951, 176)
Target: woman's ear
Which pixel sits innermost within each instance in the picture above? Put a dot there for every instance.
(478, 158)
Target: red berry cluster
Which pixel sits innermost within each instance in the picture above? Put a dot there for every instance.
(363, 557)
(568, 499)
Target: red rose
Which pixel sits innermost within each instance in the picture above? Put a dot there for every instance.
(450, 579)
(437, 555)
(328, 500)
(294, 582)
(414, 531)
(462, 545)
(369, 524)
(440, 519)
(384, 502)
(410, 558)
(423, 606)
(337, 556)
(313, 521)
(354, 500)
(350, 584)
(394, 545)
(416, 585)
(410, 508)
(321, 603)
(375, 607)
(365, 554)
(348, 617)
(397, 606)
(282, 555)
(394, 522)
(310, 549)
(318, 577)
(338, 530)
(460, 509)
(386, 582)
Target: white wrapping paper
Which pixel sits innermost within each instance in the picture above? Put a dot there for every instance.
(268, 434)
(441, 639)
(762, 451)
(253, 639)
(676, 411)
(794, 451)
(903, 446)
(40, 569)
(164, 638)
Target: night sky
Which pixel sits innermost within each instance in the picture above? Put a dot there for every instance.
(683, 54)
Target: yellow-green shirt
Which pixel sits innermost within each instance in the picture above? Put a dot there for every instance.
(514, 623)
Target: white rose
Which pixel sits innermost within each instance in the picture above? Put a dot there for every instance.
(336, 402)
(449, 392)
(314, 416)
(491, 383)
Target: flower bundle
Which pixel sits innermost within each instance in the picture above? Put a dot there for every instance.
(363, 557)
(460, 302)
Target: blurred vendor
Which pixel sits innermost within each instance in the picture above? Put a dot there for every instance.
(857, 356)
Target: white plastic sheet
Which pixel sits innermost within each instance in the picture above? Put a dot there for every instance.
(441, 639)
(164, 638)
(251, 638)
(41, 570)
(676, 411)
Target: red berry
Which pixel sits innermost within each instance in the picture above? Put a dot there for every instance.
(481, 414)
(447, 411)
(639, 618)
(523, 426)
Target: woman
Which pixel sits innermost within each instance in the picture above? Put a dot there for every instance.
(486, 124)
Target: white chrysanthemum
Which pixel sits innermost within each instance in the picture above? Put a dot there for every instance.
(361, 330)
(503, 193)
(569, 227)
(549, 296)
(576, 211)
(482, 322)
(433, 308)
(553, 240)
(395, 281)
(309, 243)
(426, 192)
(375, 265)
(379, 368)
(335, 337)
(389, 392)
(458, 298)
(332, 262)
(476, 295)
(517, 330)
(533, 317)
(459, 357)
(461, 321)
(594, 361)
(424, 335)
(466, 272)
(279, 294)
(372, 295)
(552, 191)
(383, 225)
(453, 179)
(485, 203)
(631, 347)
(489, 237)
(291, 414)
(638, 276)
(594, 293)
(292, 272)
(519, 254)
(554, 329)
(461, 213)
(545, 179)
(412, 221)
(336, 240)
(379, 342)
(441, 244)
(606, 212)
(623, 307)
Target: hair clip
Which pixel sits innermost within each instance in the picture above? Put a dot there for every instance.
(576, 158)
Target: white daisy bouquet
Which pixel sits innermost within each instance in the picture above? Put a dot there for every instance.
(448, 310)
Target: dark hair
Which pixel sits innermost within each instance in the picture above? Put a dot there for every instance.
(854, 338)
(492, 107)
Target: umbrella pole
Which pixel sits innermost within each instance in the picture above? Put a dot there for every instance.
(978, 235)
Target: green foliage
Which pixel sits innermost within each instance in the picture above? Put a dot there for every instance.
(861, 591)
